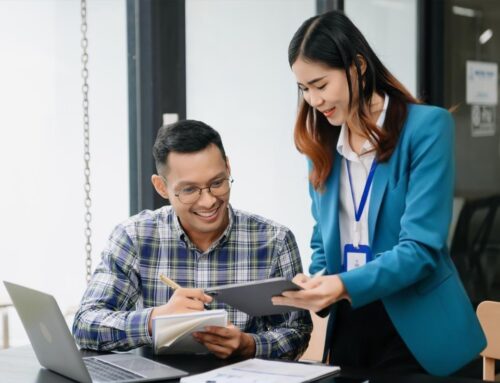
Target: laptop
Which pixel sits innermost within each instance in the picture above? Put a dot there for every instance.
(56, 349)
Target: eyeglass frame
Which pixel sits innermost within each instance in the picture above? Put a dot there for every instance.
(200, 190)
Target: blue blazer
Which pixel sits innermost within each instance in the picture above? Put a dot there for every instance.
(408, 221)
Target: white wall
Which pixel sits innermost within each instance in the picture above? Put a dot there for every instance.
(390, 26)
(41, 141)
(239, 82)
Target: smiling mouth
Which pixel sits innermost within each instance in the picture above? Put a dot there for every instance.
(328, 112)
(208, 214)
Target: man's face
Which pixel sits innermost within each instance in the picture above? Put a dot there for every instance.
(184, 172)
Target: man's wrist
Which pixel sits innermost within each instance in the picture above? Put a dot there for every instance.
(247, 345)
(150, 321)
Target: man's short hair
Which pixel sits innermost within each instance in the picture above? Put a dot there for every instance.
(186, 136)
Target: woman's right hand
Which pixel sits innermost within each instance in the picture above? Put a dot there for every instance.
(318, 292)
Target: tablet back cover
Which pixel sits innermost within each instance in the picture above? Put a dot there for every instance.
(254, 298)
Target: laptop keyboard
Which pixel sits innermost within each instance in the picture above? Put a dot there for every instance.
(106, 372)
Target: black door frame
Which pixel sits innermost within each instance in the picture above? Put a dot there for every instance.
(430, 51)
(157, 85)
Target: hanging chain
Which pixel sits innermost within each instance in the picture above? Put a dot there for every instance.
(86, 140)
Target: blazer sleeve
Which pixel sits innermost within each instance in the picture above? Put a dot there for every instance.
(427, 214)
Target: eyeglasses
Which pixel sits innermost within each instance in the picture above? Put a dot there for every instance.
(190, 194)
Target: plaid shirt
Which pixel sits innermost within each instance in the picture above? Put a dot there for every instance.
(117, 304)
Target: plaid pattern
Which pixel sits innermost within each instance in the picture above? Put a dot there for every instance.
(115, 309)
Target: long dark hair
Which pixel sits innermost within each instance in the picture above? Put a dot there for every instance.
(333, 40)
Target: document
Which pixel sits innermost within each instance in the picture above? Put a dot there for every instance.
(260, 370)
(254, 298)
(172, 333)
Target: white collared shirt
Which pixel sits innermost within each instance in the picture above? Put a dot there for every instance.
(360, 167)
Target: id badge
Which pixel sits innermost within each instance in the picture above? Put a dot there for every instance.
(355, 257)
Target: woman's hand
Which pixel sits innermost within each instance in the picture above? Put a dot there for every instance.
(318, 293)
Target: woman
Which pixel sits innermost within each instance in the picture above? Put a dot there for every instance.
(381, 183)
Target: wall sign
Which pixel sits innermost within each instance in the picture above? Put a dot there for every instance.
(481, 83)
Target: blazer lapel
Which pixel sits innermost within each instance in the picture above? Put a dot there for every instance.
(377, 193)
(330, 213)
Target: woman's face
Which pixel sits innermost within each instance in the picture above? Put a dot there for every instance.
(324, 88)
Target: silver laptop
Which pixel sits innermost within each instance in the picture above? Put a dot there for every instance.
(56, 349)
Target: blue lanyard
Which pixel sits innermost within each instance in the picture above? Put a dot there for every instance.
(368, 184)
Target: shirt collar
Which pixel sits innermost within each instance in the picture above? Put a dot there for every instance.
(343, 147)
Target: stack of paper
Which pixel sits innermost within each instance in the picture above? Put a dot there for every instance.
(172, 333)
(259, 370)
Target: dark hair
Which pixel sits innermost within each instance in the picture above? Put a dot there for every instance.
(333, 40)
(186, 136)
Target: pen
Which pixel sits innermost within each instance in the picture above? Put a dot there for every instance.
(170, 283)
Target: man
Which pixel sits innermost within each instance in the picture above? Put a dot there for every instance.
(199, 242)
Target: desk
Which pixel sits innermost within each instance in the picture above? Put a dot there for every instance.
(19, 365)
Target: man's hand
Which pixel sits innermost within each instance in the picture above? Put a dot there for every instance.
(318, 293)
(225, 342)
(182, 301)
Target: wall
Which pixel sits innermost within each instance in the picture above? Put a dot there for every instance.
(41, 142)
(390, 26)
(239, 82)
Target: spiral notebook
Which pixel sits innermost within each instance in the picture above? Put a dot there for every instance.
(172, 333)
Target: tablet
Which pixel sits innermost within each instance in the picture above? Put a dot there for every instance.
(254, 298)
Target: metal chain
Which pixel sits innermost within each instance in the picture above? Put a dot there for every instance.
(86, 139)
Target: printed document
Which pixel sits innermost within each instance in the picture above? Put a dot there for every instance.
(260, 370)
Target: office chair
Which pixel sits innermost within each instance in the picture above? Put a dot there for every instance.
(473, 248)
(488, 313)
